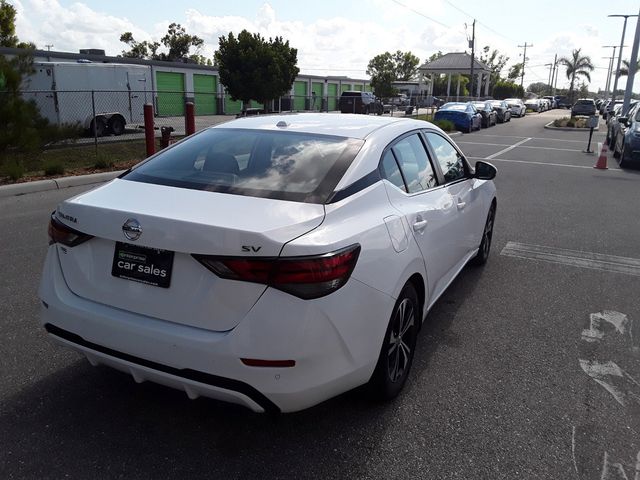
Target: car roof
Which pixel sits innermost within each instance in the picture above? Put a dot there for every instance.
(342, 125)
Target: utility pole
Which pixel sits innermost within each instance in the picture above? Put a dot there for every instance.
(553, 73)
(550, 65)
(606, 85)
(612, 59)
(624, 29)
(524, 61)
(633, 64)
(472, 44)
(48, 45)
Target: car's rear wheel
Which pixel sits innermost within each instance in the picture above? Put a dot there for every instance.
(623, 161)
(398, 346)
(470, 128)
(485, 245)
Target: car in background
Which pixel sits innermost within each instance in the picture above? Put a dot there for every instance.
(552, 101)
(610, 106)
(533, 104)
(518, 108)
(359, 102)
(626, 140)
(463, 115)
(502, 109)
(270, 261)
(612, 125)
(562, 101)
(584, 107)
(489, 115)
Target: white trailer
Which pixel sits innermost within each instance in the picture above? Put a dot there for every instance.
(101, 97)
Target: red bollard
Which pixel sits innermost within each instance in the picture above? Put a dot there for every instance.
(149, 134)
(190, 118)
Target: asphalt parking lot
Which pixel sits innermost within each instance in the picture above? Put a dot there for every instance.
(526, 369)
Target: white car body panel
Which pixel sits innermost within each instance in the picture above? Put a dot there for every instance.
(193, 335)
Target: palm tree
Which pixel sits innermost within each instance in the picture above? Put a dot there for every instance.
(577, 66)
(624, 71)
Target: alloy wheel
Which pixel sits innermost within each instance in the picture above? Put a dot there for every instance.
(399, 347)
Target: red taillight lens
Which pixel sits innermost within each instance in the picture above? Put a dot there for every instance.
(60, 233)
(304, 277)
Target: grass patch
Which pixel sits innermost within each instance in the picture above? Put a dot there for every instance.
(14, 170)
(52, 168)
(571, 122)
(446, 125)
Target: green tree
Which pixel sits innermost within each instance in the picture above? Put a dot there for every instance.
(539, 88)
(24, 130)
(386, 68)
(624, 70)
(177, 41)
(514, 72)
(495, 61)
(506, 89)
(577, 65)
(252, 68)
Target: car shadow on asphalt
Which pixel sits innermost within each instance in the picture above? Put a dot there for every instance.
(87, 422)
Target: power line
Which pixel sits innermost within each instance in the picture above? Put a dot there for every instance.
(421, 14)
(481, 22)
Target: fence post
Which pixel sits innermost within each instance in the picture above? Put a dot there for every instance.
(95, 122)
(190, 118)
(149, 134)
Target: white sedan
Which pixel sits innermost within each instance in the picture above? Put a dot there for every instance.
(273, 261)
(518, 108)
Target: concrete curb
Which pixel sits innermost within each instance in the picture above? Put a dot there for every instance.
(56, 183)
(569, 129)
(455, 134)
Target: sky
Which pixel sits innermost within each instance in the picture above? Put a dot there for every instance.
(336, 37)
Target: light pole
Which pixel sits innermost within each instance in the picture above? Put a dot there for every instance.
(611, 60)
(624, 29)
(633, 64)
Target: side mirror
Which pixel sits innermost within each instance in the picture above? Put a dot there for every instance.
(623, 120)
(485, 171)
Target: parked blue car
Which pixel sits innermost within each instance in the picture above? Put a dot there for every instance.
(626, 143)
(464, 116)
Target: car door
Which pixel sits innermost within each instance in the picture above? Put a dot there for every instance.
(466, 231)
(427, 207)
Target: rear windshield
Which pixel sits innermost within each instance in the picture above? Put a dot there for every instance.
(584, 102)
(351, 94)
(299, 167)
(454, 106)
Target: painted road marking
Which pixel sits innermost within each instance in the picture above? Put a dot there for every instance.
(532, 138)
(574, 258)
(519, 146)
(508, 149)
(507, 160)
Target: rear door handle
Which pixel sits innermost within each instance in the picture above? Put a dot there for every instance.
(419, 226)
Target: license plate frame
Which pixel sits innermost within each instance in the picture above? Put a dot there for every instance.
(151, 266)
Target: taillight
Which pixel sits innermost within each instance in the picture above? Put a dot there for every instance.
(305, 277)
(60, 233)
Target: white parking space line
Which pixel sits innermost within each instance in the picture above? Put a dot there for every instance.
(507, 160)
(508, 149)
(535, 138)
(519, 146)
(574, 258)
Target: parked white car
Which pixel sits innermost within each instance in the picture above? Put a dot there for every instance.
(517, 107)
(533, 104)
(272, 261)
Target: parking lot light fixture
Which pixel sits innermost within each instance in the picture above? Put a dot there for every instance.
(624, 29)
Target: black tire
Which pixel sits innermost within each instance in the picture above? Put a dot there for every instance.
(98, 127)
(622, 161)
(398, 346)
(470, 128)
(487, 234)
(116, 125)
(616, 154)
(366, 110)
(612, 141)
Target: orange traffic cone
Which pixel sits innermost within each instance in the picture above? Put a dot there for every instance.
(601, 163)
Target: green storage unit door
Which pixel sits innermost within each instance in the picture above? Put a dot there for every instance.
(205, 88)
(345, 87)
(357, 88)
(256, 104)
(232, 107)
(367, 88)
(300, 95)
(316, 87)
(170, 104)
(332, 91)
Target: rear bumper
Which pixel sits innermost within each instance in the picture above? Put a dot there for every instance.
(335, 350)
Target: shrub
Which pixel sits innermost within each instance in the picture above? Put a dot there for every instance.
(571, 123)
(14, 170)
(103, 161)
(53, 168)
(445, 125)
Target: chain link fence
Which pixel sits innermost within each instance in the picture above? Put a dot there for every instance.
(105, 129)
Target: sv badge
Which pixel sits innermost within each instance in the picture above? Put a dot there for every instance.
(250, 248)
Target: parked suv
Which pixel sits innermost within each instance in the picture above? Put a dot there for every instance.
(583, 106)
(360, 102)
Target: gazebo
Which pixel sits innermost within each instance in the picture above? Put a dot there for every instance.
(453, 63)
